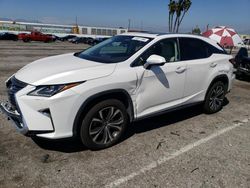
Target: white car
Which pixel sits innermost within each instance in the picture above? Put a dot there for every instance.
(94, 94)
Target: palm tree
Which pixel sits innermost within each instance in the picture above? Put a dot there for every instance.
(171, 8)
(178, 9)
(185, 7)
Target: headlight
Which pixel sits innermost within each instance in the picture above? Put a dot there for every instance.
(49, 91)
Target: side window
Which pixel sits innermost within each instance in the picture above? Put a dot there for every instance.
(167, 48)
(192, 49)
(214, 50)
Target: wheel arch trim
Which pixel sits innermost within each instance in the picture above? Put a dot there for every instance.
(218, 78)
(84, 106)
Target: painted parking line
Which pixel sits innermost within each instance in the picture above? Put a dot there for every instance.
(168, 157)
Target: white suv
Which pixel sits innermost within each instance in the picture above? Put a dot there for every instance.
(94, 94)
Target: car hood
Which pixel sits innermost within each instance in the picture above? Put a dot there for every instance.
(62, 69)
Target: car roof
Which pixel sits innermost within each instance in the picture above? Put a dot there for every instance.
(139, 34)
(161, 35)
(169, 35)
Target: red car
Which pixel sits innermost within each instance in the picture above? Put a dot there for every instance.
(35, 36)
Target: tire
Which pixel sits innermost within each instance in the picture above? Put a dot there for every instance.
(26, 40)
(215, 98)
(104, 124)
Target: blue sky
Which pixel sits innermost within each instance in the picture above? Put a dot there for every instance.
(149, 14)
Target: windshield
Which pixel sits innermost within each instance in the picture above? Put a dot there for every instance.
(115, 49)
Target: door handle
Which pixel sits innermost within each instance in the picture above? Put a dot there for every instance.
(180, 70)
(213, 65)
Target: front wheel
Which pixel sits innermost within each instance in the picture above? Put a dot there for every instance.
(104, 125)
(215, 98)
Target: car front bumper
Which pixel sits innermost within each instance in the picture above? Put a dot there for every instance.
(47, 117)
(15, 117)
(18, 121)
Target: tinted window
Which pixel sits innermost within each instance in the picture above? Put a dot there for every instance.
(167, 48)
(192, 49)
(214, 50)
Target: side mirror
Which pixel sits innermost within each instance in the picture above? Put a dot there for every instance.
(154, 60)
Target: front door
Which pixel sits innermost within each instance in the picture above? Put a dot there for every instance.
(160, 87)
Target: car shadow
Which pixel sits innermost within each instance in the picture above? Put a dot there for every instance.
(163, 120)
(72, 145)
(166, 119)
(69, 145)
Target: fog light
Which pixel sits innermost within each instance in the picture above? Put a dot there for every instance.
(46, 112)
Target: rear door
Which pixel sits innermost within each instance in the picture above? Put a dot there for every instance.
(196, 54)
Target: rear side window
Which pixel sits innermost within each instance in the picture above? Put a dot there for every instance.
(191, 49)
(215, 50)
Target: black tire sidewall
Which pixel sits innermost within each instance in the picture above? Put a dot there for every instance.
(26, 40)
(84, 131)
(206, 107)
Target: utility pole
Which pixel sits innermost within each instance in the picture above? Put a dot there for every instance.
(141, 25)
(207, 26)
(129, 24)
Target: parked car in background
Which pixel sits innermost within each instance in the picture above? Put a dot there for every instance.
(21, 36)
(72, 39)
(242, 63)
(67, 37)
(98, 40)
(78, 40)
(96, 93)
(86, 40)
(8, 36)
(90, 41)
(35, 36)
(247, 41)
(54, 37)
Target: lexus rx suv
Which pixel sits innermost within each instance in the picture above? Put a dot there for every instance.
(96, 93)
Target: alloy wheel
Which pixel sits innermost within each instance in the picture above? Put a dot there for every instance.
(106, 125)
(216, 98)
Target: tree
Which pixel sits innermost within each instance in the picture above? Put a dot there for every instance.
(177, 11)
(171, 7)
(196, 31)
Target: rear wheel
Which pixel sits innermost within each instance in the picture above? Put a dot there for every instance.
(215, 98)
(104, 125)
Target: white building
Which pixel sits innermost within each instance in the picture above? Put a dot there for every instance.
(60, 30)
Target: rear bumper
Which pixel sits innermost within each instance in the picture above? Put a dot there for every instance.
(15, 117)
(231, 78)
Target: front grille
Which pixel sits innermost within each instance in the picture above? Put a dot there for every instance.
(13, 86)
